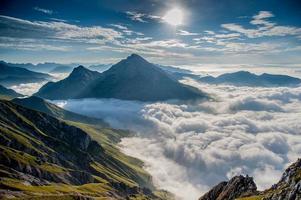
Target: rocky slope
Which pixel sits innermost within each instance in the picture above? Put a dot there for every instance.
(236, 187)
(243, 188)
(131, 79)
(42, 156)
(289, 186)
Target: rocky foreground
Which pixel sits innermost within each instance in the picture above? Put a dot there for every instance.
(244, 188)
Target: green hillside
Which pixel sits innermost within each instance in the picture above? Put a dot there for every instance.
(45, 158)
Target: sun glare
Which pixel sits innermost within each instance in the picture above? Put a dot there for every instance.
(174, 17)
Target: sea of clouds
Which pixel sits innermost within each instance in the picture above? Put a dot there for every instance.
(189, 147)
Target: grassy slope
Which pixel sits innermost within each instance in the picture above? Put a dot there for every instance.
(114, 172)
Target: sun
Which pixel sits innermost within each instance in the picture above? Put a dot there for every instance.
(174, 17)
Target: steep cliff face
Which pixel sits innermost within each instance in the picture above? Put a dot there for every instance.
(236, 187)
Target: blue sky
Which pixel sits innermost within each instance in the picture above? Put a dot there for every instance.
(212, 31)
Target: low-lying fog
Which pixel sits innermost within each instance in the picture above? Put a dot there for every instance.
(188, 148)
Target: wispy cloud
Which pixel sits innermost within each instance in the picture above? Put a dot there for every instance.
(53, 29)
(186, 33)
(234, 38)
(141, 17)
(264, 28)
(30, 45)
(43, 10)
(126, 30)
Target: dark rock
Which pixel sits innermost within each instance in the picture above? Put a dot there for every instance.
(236, 187)
(289, 186)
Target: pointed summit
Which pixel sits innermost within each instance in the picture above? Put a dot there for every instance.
(69, 87)
(133, 65)
(135, 57)
(81, 73)
(134, 78)
(80, 69)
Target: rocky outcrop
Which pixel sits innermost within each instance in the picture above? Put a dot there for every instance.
(239, 187)
(289, 186)
(236, 187)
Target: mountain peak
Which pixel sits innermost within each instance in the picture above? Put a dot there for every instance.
(79, 68)
(79, 71)
(135, 57)
(132, 78)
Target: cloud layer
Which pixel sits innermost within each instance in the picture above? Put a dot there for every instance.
(190, 147)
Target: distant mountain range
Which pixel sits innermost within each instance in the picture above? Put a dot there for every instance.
(10, 75)
(6, 93)
(244, 78)
(131, 79)
(51, 67)
(61, 69)
(46, 67)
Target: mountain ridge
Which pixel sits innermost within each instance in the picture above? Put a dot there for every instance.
(245, 78)
(132, 78)
(10, 75)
